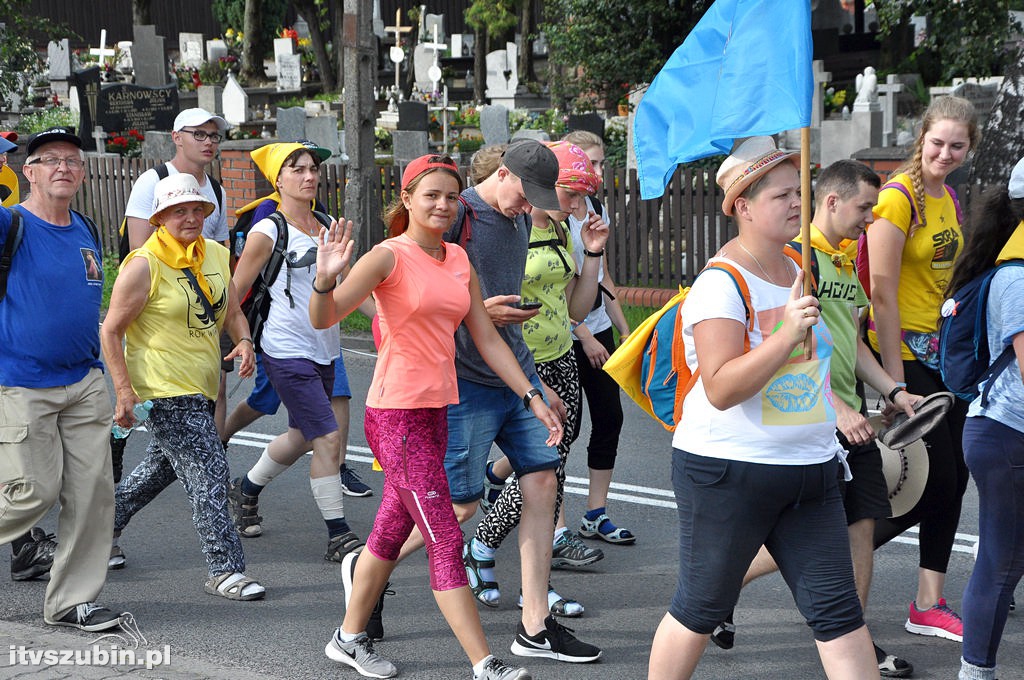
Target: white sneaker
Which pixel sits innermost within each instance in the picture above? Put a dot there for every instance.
(359, 654)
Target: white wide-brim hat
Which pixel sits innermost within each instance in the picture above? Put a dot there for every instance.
(905, 470)
(750, 159)
(178, 188)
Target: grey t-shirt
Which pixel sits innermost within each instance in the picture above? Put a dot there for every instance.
(497, 249)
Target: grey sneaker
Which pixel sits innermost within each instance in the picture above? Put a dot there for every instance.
(496, 669)
(359, 654)
(570, 551)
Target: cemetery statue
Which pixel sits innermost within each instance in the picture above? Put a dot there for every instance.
(867, 86)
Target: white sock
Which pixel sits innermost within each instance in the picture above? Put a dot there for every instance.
(478, 668)
(265, 469)
(347, 637)
(329, 496)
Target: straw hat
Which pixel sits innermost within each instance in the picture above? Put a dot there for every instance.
(178, 188)
(750, 160)
(905, 470)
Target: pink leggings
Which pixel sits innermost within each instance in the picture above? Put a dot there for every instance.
(410, 445)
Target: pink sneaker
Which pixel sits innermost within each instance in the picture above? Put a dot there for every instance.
(939, 621)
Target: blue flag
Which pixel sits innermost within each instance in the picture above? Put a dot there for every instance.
(744, 70)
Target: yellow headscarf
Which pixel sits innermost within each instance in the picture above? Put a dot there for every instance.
(1014, 248)
(171, 252)
(271, 157)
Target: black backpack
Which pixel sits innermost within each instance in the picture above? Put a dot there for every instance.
(256, 303)
(13, 240)
(161, 172)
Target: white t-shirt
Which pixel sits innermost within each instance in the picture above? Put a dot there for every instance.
(597, 320)
(791, 420)
(142, 202)
(288, 333)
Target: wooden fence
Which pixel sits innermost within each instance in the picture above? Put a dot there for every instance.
(656, 243)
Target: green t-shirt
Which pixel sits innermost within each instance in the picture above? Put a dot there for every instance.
(841, 294)
(549, 268)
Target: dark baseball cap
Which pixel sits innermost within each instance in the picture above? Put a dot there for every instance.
(54, 134)
(537, 166)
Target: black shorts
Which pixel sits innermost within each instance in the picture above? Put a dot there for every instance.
(866, 496)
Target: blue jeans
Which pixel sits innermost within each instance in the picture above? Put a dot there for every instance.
(995, 457)
(492, 415)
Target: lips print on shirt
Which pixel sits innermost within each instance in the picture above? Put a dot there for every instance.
(792, 393)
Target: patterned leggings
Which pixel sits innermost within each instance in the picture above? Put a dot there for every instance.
(561, 375)
(185, 445)
(410, 445)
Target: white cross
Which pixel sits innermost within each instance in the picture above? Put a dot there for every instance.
(821, 76)
(396, 53)
(434, 72)
(101, 139)
(444, 109)
(888, 91)
(101, 51)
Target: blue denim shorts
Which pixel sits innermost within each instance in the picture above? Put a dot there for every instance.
(265, 399)
(492, 415)
(304, 386)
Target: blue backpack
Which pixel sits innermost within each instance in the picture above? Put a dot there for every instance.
(963, 339)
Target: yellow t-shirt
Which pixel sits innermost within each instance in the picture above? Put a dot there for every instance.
(549, 268)
(173, 347)
(928, 257)
(8, 187)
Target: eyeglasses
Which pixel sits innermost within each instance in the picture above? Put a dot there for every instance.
(54, 162)
(296, 261)
(202, 135)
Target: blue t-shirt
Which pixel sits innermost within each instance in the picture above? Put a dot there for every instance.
(1005, 320)
(49, 321)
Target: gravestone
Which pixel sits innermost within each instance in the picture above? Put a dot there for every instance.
(289, 65)
(211, 98)
(124, 57)
(149, 57)
(502, 74)
(430, 21)
(591, 122)
(190, 45)
(842, 138)
(158, 145)
(983, 96)
(888, 92)
(85, 90)
(58, 56)
(408, 145)
(236, 102)
(494, 124)
(216, 49)
(821, 78)
(422, 60)
(121, 107)
(323, 131)
(291, 124)
(867, 91)
(538, 135)
(413, 116)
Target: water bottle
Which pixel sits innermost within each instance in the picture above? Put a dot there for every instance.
(239, 244)
(141, 413)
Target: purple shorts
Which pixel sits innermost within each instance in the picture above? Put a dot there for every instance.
(410, 444)
(305, 389)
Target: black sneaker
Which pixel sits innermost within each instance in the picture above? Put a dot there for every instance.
(351, 485)
(724, 634)
(117, 445)
(34, 559)
(375, 624)
(89, 617)
(554, 642)
(892, 666)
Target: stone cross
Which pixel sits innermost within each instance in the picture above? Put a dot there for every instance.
(888, 92)
(102, 52)
(821, 78)
(396, 53)
(100, 137)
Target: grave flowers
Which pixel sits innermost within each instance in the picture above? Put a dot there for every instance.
(128, 145)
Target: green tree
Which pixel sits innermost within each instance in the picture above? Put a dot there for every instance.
(493, 22)
(18, 59)
(962, 39)
(260, 20)
(600, 49)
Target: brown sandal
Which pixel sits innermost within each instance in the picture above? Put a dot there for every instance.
(235, 591)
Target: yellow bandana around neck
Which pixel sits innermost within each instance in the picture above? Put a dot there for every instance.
(840, 259)
(1014, 248)
(172, 253)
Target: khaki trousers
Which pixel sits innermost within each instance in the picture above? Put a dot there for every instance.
(55, 447)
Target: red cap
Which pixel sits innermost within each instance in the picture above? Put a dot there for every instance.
(9, 136)
(420, 165)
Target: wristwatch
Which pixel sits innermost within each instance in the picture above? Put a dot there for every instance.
(896, 390)
(528, 397)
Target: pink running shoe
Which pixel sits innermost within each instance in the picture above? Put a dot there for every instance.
(939, 621)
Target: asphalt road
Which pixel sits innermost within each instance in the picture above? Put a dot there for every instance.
(625, 594)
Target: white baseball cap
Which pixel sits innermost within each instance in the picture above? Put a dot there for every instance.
(195, 117)
(1015, 187)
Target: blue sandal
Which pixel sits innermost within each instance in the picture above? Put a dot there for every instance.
(592, 529)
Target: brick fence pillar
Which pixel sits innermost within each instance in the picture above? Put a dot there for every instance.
(242, 180)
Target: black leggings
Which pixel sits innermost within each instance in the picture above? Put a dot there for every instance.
(938, 511)
(603, 403)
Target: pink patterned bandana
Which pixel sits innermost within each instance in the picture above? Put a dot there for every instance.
(575, 171)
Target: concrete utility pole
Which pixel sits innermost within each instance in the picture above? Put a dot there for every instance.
(362, 189)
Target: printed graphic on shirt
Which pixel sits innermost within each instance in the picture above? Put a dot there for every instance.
(198, 318)
(799, 392)
(946, 243)
(93, 271)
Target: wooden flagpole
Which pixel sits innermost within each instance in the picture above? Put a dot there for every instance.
(805, 220)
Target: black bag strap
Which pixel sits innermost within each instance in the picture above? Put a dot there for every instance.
(207, 305)
(11, 244)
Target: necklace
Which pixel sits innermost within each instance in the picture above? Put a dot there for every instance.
(432, 249)
(757, 262)
(301, 227)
